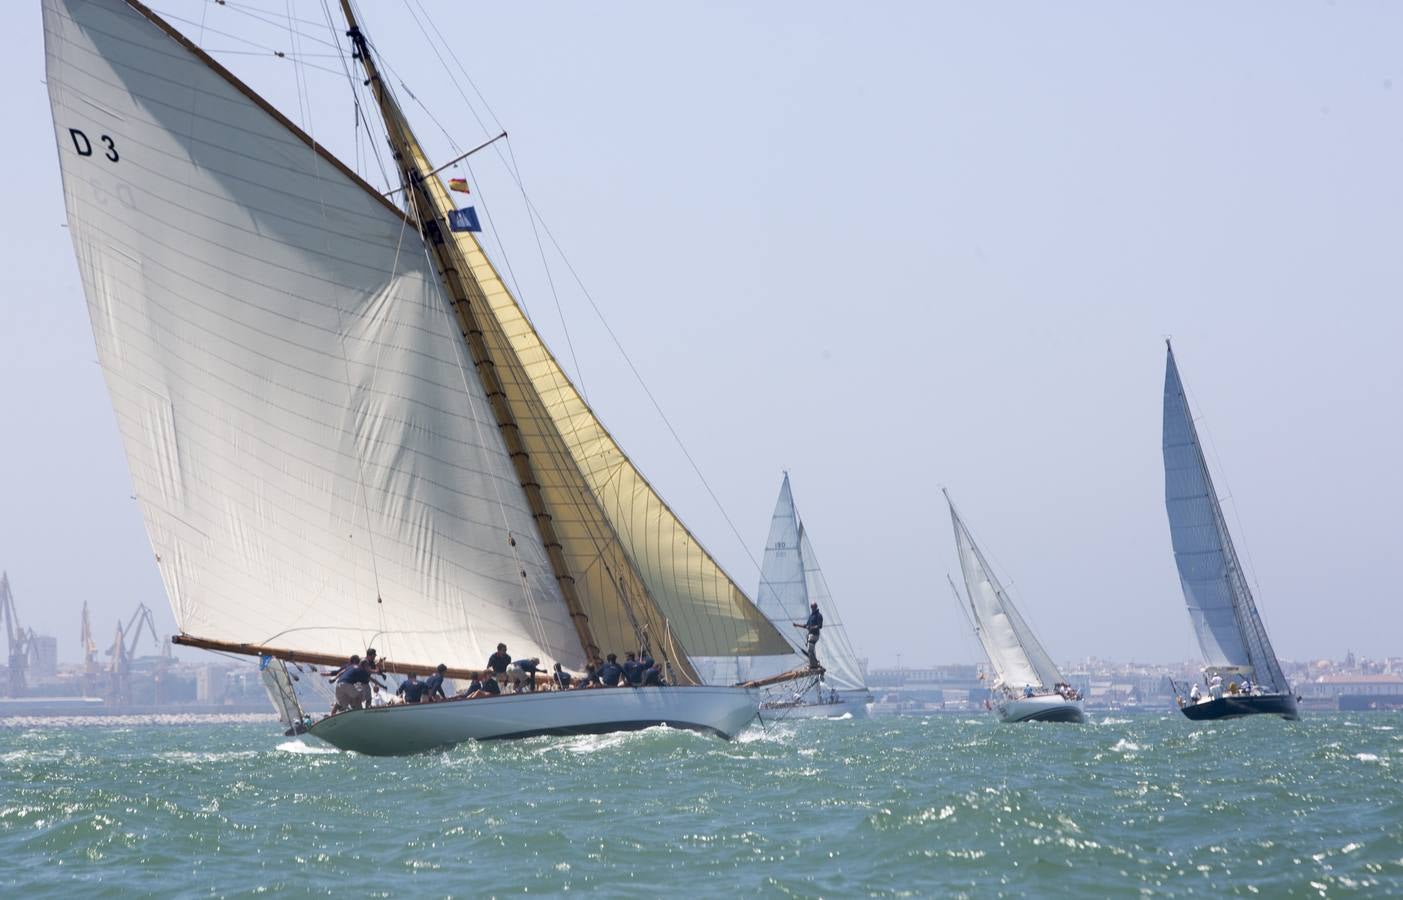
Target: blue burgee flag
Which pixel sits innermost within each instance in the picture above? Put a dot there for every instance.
(464, 219)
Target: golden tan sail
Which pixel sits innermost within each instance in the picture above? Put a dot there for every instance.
(629, 563)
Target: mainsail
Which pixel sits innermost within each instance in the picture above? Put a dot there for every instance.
(316, 456)
(790, 579)
(1224, 615)
(1015, 653)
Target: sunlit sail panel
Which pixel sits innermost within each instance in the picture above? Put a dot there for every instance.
(1015, 653)
(314, 465)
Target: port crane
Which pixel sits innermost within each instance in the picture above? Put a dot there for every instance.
(17, 636)
(89, 655)
(123, 651)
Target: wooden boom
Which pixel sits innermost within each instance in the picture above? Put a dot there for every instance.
(321, 659)
(791, 675)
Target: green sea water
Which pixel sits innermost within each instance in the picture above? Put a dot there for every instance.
(939, 806)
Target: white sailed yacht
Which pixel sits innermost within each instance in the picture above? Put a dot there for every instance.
(1244, 677)
(341, 427)
(1027, 685)
(790, 579)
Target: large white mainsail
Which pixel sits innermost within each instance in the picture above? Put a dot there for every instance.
(322, 463)
(790, 579)
(312, 463)
(1018, 658)
(1224, 615)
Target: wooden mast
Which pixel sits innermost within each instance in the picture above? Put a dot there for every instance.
(433, 224)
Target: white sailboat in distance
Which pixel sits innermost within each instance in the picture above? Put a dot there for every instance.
(1027, 684)
(790, 580)
(1242, 673)
(342, 429)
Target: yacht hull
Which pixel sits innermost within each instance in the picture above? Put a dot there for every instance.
(1230, 707)
(415, 728)
(1044, 708)
(853, 705)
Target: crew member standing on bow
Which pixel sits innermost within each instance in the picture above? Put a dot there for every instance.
(813, 625)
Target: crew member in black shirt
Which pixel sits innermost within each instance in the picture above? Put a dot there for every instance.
(433, 685)
(411, 689)
(813, 625)
(499, 661)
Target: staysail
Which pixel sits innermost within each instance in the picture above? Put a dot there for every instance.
(1015, 653)
(314, 452)
(790, 579)
(1224, 615)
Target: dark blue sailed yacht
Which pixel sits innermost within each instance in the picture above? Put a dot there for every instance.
(1241, 672)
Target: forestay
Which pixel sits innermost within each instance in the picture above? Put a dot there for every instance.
(1224, 615)
(1018, 658)
(313, 464)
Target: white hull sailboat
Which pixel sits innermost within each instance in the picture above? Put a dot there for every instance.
(790, 580)
(1242, 674)
(413, 728)
(341, 427)
(819, 705)
(1027, 686)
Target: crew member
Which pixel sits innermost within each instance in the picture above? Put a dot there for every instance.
(411, 689)
(611, 672)
(433, 685)
(499, 661)
(813, 625)
(561, 678)
(527, 669)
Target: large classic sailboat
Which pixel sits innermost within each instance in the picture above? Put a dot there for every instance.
(341, 427)
(790, 580)
(1027, 684)
(1243, 674)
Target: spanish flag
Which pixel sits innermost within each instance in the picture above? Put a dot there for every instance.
(458, 184)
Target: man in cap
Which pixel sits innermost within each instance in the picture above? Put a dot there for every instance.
(813, 625)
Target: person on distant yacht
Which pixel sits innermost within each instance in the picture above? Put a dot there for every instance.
(814, 626)
(1195, 694)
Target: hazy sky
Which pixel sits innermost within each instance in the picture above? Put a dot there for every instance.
(888, 247)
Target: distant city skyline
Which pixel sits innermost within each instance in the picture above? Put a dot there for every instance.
(887, 250)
